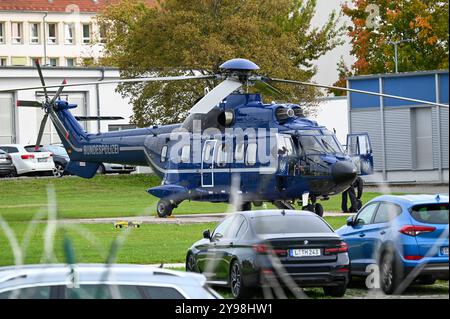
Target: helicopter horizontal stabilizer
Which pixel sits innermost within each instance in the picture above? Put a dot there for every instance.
(167, 191)
(82, 169)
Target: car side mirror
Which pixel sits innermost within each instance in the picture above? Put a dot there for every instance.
(350, 222)
(207, 234)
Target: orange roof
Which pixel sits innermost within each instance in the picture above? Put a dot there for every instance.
(57, 5)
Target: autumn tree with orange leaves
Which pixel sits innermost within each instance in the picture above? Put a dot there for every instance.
(376, 23)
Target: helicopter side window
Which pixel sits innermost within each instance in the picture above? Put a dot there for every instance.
(239, 154)
(289, 146)
(185, 154)
(207, 153)
(223, 155)
(282, 148)
(164, 153)
(251, 154)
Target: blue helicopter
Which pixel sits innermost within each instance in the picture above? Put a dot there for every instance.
(231, 146)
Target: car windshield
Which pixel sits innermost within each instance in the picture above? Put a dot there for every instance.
(431, 213)
(57, 150)
(310, 145)
(289, 225)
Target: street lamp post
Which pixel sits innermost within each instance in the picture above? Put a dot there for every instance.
(396, 43)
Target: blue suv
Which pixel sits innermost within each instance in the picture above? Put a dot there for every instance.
(406, 236)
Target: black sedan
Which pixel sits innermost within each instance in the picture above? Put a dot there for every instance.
(6, 164)
(251, 250)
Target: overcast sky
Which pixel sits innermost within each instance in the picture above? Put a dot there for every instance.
(327, 65)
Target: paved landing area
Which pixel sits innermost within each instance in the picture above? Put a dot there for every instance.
(175, 219)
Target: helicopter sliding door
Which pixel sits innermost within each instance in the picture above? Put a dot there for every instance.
(207, 169)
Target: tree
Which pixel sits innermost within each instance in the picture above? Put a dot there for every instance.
(378, 23)
(196, 36)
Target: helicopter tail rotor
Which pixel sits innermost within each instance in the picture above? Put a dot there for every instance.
(47, 106)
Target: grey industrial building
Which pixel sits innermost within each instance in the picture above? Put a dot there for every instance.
(409, 141)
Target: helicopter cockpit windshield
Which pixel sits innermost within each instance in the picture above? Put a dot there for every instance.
(320, 144)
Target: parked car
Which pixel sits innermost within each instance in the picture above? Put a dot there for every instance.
(110, 168)
(238, 253)
(89, 281)
(60, 157)
(28, 162)
(400, 234)
(6, 165)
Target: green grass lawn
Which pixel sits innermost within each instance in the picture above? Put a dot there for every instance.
(148, 244)
(102, 196)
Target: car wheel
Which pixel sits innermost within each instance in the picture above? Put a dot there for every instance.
(390, 272)
(59, 170)
(101, 170)
(238, 288)
(13, 173)
(335, 291)
(164, 208)
(191, 265)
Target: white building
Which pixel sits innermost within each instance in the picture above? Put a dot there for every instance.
(57, 32)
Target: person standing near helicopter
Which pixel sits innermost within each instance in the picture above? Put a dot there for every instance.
(355, 196)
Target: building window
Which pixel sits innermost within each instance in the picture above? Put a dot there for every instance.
(70, 61)
(86, 33)
(16, 32)
(102, 33)
(52, 33)
(69, 33)
(19, 61)
(3, 61)
(2, 32)
(33, 61)
(53, 61)
(35, 33)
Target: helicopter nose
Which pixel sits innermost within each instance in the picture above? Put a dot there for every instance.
(344, 172)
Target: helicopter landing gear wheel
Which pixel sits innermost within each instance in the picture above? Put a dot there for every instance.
(309, 208)
(318, 209)
(246, 206)
(164, 208)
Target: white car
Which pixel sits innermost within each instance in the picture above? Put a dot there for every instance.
(26, 161)
(91, 281)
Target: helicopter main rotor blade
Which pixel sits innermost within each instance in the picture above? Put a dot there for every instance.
(41, 131)
(265, 87)
(137, 80)
(213, 98)
(38, 66)
(355, 91)
(28, 103)
(58, 93)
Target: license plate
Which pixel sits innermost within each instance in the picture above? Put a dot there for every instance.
(305, 252)
(42, 160)
(444, 251)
